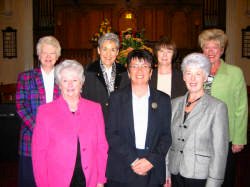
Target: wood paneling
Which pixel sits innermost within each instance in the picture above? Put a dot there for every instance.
(76, 21)
(8, 93)
(76, 26)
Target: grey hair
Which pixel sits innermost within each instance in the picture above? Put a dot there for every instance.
(110, 37)
(196, 60)
(72, 65)
(49, 40)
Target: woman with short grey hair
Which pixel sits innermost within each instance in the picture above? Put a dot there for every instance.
(109, 37)
(72, 65)
(196, 60)
(69, 133)
(105, 76)
(199, 128)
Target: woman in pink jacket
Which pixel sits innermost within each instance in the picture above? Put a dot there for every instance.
(69, 146)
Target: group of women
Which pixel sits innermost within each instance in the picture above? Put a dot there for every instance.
(135, 127)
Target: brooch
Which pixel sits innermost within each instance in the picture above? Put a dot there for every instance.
(154, 105)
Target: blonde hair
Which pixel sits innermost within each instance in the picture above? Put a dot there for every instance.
(214, 35)
(49, 40)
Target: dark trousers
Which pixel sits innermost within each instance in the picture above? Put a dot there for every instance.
(180, 181)
(25, 173)
(229, 179)
(140, 182)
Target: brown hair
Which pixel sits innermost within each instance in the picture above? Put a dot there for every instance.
(165, 42)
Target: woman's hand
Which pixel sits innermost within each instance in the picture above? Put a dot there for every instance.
(142, 166)
(237, 148)
(168, 182)
(100, 185)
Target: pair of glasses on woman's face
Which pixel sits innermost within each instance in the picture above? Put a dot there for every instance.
(140, 66)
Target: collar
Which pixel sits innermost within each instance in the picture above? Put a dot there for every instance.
(103, 68)
(47, 74)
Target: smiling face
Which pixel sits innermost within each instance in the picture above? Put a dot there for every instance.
(108, 52)
(194, 78)
(213, 51)
(48, 57)
(70, 84)
(164, 56)
(140, 71)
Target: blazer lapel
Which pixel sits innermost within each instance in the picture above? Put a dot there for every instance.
(151, 116)
(56, 92)
(40, 85)
(128, 112)
(99, 75)
(194, 117)
(117, 80)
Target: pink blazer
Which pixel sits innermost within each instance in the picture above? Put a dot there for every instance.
(54, 143)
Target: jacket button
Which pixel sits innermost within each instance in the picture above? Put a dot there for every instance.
(183, 140)
(179, 139)
(106, 104)
(181, 152)
(86, 168)
(185, 126)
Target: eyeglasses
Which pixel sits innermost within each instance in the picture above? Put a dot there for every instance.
(48, 54)
(143, 67)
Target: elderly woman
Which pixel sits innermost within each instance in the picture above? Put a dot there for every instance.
(138, 129)
(166, 77)
(197, 156)
(68, 134)
(35, 87)
(105, 75)
(226, 82)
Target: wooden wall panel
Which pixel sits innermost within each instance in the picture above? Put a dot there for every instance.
(148, 23)
(196, 27)
(160, 23)
(154, 21)
(75, 27)
(180, 29)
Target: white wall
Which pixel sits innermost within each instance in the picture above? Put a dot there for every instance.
(18, 15)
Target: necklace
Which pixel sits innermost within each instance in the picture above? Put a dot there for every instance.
(189, 103)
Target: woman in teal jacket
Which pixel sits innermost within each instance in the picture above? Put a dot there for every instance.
(226, 82)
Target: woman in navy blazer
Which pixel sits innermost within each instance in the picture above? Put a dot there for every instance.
(138, 129)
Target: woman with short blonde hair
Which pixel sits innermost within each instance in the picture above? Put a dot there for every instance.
(226, 82)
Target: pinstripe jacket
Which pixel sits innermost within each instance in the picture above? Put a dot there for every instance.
(30, 94)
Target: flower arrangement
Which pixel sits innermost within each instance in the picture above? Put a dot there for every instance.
(130, 40)
(105, 27)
